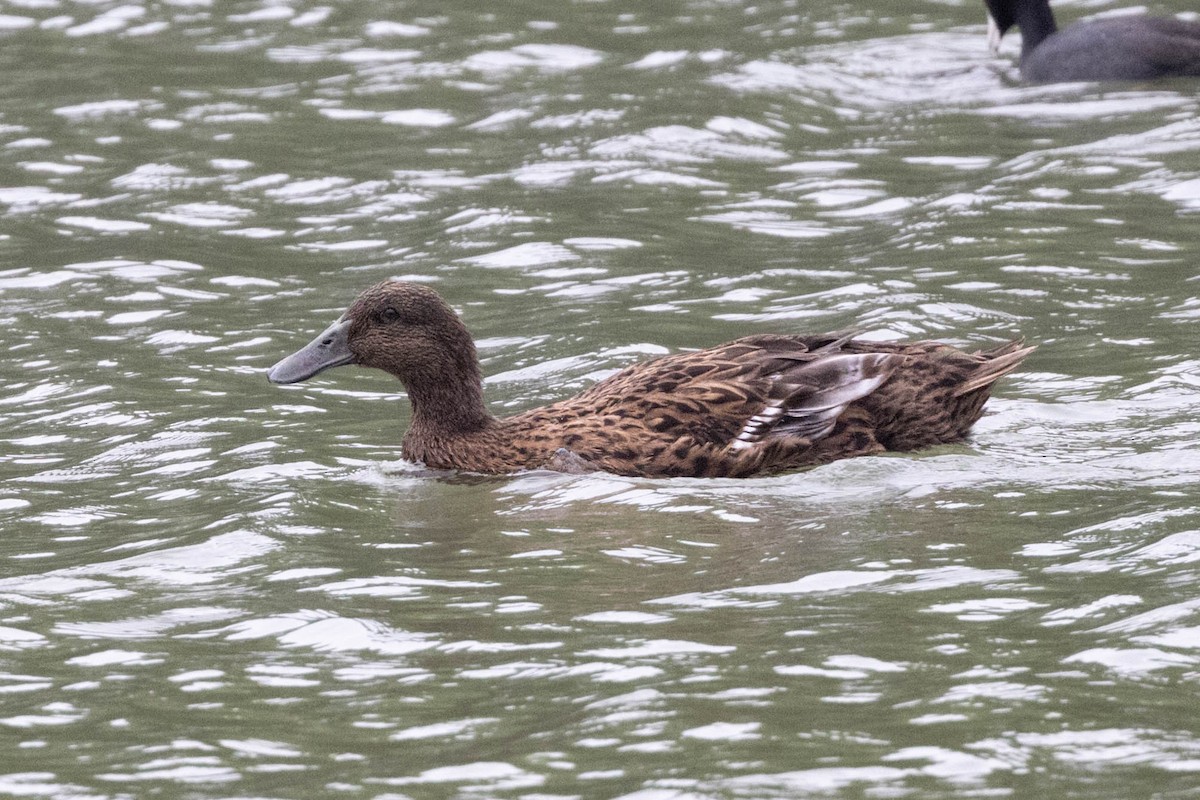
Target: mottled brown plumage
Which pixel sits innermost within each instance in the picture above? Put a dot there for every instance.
(756, 405)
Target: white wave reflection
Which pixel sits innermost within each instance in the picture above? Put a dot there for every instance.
(578, 119)
(384, 28)
(1184, 638)
(1172, 549)
(656, 648)
(484, 218)
(843, 667)
(202, 215)
(278, 473)
(1066, 109)
(501, 120)
(548, 172)
(36, 589)
(18, 684)
(199, 680)
(725, 732)
(1185, 193)
(461, 730)
(985, 609)
(135, 271)
(14, 639)
(1167, 636)
(106, 658)
(419, 118)
(42, 784)
(12, 22)
(261, 747)
(625, 617)
(1133, 661)
(103, 108)
(376, 55)
(355, 244)
(283, 676)
(542, 57)
(25, 278)
(822, 582)
(149, 453)
(1067, 616)
(394, 586)
(25, 199)
(680, 144)
(598, 671)
(324, 631)
(950, 765)
(875, 74)
(104, 225)
(773, 223)
(474, 778)
(880, 208)
(56, 714)
(1095, 748)
(184, 770)
(529, 254)
(838, 300)
(885, 581)
(1155, 618)
(369, 671)
(655, 177)
(321, 191)
(146, 627)
(659, 59)
(213, 560)
(1006, 691)
(135, 317)
(110, 21)
(50, 167)
(814, 782)
(164, 177)
(600, 243)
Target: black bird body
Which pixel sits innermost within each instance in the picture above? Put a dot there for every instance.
(1125, 48)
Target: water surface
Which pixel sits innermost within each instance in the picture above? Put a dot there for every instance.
(215, 587)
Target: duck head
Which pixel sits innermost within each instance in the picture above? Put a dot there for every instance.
(405, 329)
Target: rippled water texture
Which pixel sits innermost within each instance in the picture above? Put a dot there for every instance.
(215, 587)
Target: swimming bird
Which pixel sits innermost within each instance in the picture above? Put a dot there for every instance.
(1123, 48)
(757, 405)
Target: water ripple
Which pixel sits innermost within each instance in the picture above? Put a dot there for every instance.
(589, 186)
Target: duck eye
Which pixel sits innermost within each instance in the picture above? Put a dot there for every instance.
(389, 314)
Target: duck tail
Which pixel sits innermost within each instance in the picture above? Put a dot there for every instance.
(996, 363)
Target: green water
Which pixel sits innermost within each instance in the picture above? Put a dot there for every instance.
(214, 587)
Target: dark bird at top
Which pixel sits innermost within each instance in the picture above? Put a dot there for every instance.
(1122, 48)
(757, 405)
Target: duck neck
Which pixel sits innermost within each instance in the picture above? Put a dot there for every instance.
(1036, 21)
(447, 402)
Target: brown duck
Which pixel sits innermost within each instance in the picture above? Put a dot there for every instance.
(756, 405)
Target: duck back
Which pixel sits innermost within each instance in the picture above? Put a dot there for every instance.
(757, 405)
